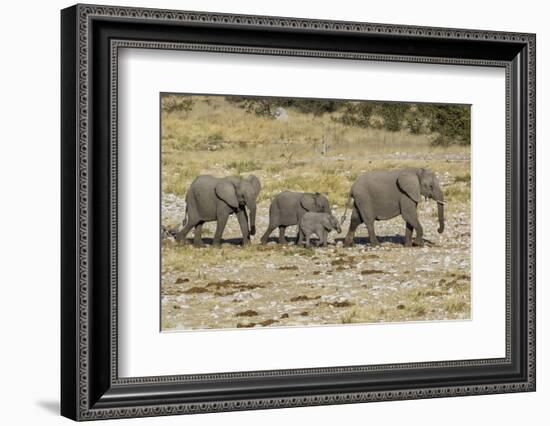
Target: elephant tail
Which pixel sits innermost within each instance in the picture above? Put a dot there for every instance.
(343, 218)
(185, 218)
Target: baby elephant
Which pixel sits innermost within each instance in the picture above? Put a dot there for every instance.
(319, 224)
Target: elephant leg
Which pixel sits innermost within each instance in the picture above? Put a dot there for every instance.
(243, 222)
(182, 235)
(412, 219)
(267, 233)
(282, 238)
(355, 221)
(323, 238)
(197, 240)
(300, 239)
(308, 236)
(372, 235)
(408, 234)
(367, 216)
(220, 226)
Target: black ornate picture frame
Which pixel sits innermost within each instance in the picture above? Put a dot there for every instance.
(91, 36)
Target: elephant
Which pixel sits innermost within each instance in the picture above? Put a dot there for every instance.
(319, 224)
(213, 199)
(382, 195)
(287, 208)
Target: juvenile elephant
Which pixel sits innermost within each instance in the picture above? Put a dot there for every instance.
(287, 208)
(213, 199)
(319, 224)
(382, 195)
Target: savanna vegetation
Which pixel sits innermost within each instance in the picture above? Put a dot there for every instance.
(310, 145)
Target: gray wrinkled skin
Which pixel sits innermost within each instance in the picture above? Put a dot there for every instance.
(213, 199)
(319, 224)
(287, 208)
(383, 195)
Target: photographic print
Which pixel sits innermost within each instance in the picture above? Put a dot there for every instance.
(273, 213)
(280, 212)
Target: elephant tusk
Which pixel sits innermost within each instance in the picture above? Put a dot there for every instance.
(441, 202)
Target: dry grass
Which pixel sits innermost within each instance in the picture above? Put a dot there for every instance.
(221, 139)
(449, 295)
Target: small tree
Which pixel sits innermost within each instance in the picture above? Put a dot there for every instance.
(357, 113)
(393, 115)
(450, 123)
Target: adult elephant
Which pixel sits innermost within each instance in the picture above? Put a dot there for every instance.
(213, 199)
(287, 208)
(382, 195)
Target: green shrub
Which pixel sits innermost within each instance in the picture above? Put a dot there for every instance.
(266, 107)
(464, 178)
(386, 115)
(449, 123)
(215, 138)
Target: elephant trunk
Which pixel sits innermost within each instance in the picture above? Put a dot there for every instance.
(252, 209)
(440, 209)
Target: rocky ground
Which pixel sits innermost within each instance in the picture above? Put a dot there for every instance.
(273, 285)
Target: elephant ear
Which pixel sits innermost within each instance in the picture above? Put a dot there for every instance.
(409, 184)
(226, 191)
(308, 202)
(255, 182)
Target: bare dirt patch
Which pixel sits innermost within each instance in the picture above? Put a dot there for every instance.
(287, 285)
